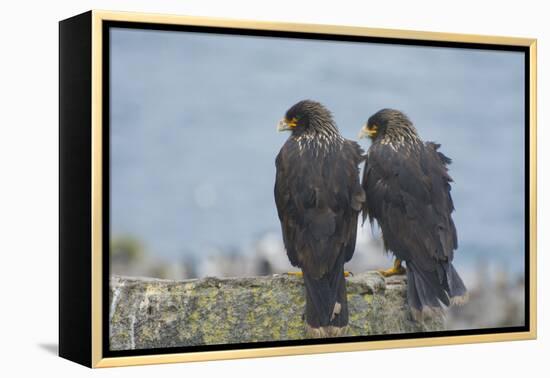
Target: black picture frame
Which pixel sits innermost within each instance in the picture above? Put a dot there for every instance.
(84, 292)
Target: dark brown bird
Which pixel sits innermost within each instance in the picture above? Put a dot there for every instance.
(408, 193)
(319, 197)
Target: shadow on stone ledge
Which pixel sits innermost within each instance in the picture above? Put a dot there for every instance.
(153, 313)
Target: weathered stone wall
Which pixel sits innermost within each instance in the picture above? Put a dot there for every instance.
(152, 313)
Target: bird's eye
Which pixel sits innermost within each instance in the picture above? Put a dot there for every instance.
(372, 130)
(292, 122)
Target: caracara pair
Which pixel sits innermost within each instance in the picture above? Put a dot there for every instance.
(405, 188)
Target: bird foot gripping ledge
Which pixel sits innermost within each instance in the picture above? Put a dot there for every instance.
(153, 313)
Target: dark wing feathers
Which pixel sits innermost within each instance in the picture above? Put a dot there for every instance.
(408, 194)
(318, 198)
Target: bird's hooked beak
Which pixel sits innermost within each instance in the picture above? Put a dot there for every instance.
(285, 124)
(367, 132)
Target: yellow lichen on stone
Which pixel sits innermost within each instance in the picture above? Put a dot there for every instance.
(152, 313)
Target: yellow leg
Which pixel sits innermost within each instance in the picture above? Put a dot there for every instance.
(297, 274)
(396, 270)
(300, 274)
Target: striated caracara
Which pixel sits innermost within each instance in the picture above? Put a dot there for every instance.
(319, 197)
(408, 193)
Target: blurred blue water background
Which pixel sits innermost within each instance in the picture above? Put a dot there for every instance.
(193, 138)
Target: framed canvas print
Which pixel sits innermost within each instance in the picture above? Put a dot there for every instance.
(235, 189)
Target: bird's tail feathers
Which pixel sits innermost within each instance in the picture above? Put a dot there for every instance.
(425, 293)
(326, 303)
(428, 292)
(457, 290)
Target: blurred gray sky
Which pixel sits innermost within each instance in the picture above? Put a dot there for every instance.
(193, 137)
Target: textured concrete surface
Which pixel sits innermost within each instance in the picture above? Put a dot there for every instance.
(152, 313)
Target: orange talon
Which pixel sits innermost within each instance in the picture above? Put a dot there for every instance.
(300, 274)
(396, 270)
(297, 274)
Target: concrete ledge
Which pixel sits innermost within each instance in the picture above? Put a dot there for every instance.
(153, 313)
